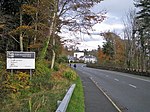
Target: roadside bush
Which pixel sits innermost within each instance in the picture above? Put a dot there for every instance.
(39, 83)
(41, 77)
(42, 69)
(19, 93)
(62, 59)
(70, 74)
(12, 85)
(2, 69)
(56, 67)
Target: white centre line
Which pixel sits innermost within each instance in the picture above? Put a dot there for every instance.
(132, 85)
(116, 79)
(146, 79)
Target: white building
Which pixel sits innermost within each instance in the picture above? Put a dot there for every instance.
(78, 54)
(90, 59)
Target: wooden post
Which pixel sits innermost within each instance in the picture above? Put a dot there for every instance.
(11, 71)
(30, 74)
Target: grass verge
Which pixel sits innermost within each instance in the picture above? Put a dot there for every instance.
(77, 100)
(40, 94)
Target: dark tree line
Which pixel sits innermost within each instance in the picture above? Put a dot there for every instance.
(132, 52)
(137, 33)
(34, 25)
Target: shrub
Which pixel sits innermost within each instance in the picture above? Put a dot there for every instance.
(62, 59)
(22, 94)
(14, 84)
(42, 69)
(56, 67)
(70, 74)
(2, 68)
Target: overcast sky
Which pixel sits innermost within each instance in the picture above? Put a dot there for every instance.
(116, 12)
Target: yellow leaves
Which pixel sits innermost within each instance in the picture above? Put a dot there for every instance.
(102, 57)
(22, 80)
(24, 29)
(13, 87)
(23, 77)
(70, 74)
(118, 47)
(29, 9)
(16, 83)
(35, 46)
(64, 72)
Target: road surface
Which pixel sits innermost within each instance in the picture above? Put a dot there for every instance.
(129, 93)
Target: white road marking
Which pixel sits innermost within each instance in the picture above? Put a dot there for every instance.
(146, 80)
(131, 76)
(116, 79)
(132, 85)
(113, 103)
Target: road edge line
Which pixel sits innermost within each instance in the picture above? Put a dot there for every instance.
(113, 103)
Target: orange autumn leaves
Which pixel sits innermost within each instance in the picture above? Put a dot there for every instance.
(101, 56)
(114, 52)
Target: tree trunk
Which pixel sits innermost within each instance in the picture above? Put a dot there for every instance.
(53, 50)
(21, 36)
(54, 41)
(44, 50)
(54, 55)
(36, 27)
(36, 22)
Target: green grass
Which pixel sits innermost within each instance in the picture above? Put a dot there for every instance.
(41, 96)
(43, 92)
(77, 100)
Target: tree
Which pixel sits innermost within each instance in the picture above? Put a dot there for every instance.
(8, 10)
(143, 31)
(131, 40)
(20, 27)
(37, 24)
(74, 15)
(101, 56)
(108, 49)
(114, 48)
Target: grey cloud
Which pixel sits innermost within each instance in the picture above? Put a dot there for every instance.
(115, 7)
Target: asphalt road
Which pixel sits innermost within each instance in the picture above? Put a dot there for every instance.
(129, 92)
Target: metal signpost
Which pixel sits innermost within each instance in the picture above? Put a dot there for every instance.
(20, 60)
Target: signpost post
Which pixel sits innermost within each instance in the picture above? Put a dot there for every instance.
(21, 60)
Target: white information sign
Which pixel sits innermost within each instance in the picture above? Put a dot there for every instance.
(20, 60)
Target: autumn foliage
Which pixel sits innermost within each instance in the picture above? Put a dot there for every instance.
(113, 51)
(102, 56)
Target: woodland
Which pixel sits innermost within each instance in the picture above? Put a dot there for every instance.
(132, 51)
(35, 25)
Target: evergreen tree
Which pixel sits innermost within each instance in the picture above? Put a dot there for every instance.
(143, 31)
(108, 48)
